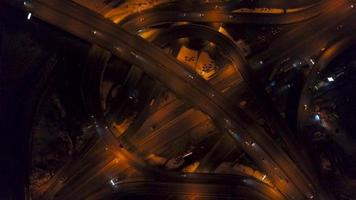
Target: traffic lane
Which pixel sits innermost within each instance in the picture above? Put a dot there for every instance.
(89, 172)
(75, 167)
(217, 154)
(261, 4)
(170, 132)
(73, 178)
(158, 119)
(246, 187)
(332, 14)
(285, 4)
(100, 178)
(150, 18)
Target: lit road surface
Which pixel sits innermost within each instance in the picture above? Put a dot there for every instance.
(169, 71)
(151, 17)
(229, 49)
(154, 17)
(199, 185)
(166, 69)
(316, 34)
(162, 125)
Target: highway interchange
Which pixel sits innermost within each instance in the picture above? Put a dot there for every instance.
(290, 175)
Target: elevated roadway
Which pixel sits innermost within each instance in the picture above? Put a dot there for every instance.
(202, 185)
(152, 17)
(186, 84)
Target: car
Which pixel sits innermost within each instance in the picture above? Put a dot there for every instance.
(114, 182)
